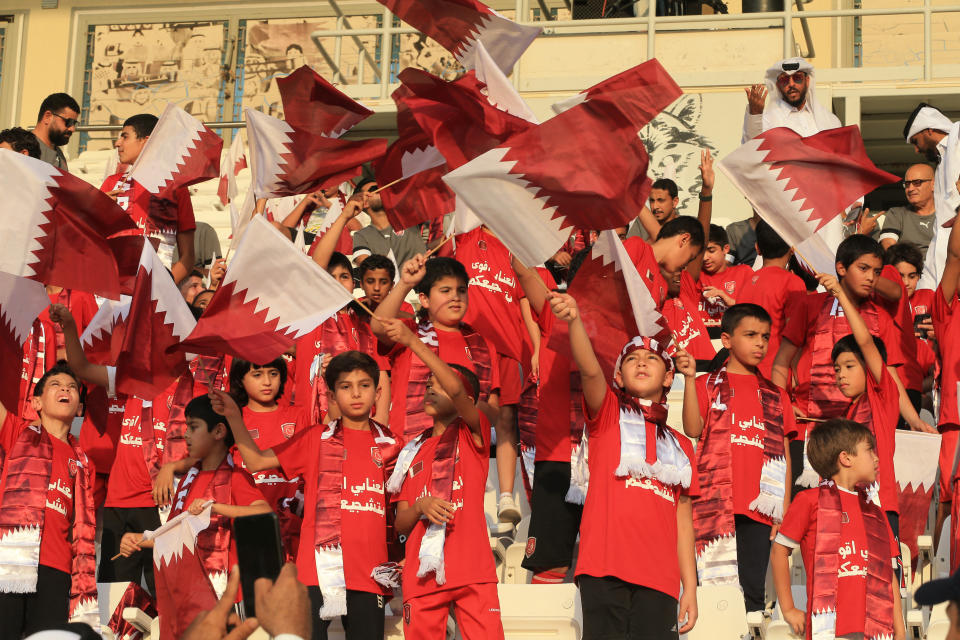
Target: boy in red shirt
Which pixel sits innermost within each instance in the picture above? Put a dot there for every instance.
(442, 287)
(680, 311)
(772, 286)
(440, 479)
(47, 521)
(742, 420)
(720, 282)
(342, 556)
(678, 243)
(169, 224)
(636, 537)
(213, 477)
(849, 552)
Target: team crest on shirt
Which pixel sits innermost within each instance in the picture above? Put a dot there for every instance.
(406, 613)
(287, 428)
(730, 286)
(416, 468)
(531, 546)
(376, 457)
(72, 466)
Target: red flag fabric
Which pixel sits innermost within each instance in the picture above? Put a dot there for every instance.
(915, 462)
(313, 104)
(127, 251)
(250, 317)
(288, 161)
(55, 226)
(459, 25)
(615, 304)
(800, 186)
(21, 301)
(157, 320)
(181, 151)
(102, 339)
(231, 165)
(183, 588)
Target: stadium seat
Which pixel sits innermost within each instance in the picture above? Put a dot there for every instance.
(513, 573)
(546, 611)
(721, 613)
(939, 624)
(941, 561)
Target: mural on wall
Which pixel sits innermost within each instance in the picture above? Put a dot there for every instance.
(138, 68)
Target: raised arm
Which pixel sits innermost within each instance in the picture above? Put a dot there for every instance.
(692, 420)
(534, 288)
(86, 370)
(293, 218)
(328, 241)
(253, 457)
(591, 374)
(185, 247)
(411, 274)
(871, 355)
(705, 209)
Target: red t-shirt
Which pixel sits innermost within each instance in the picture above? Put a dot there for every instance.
(363, 526)
(129, 484)
(803, 318)
(772, 288)
(730, 281)
(55, 549)
(157, 218)
(914, 371)
(642, 256)
(494, 308)
(452, 349)
(681, 314)
(799, 528)
(629, 527)
(271, 429)
(899, 311)
(946, 323)
(552, 434)
(746, 451)
(884, 400)
(82, 306)
(466, 559)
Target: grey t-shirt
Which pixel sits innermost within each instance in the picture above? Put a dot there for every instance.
(903, 225)
(405, 244)
(53, 155)
(743, 242)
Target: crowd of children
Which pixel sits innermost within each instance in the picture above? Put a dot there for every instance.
(371, 438)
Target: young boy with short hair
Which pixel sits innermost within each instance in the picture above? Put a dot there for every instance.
(439, 482)
(849, 552)
(441, 284)
(636, 536)
(742, 421)
(720, 282)
(344, 466)
(678, 243)
(47, 519)
(214, 477)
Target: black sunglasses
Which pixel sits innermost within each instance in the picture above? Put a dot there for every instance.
(68, 122)
(914, 183)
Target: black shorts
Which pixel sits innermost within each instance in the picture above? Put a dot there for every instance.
(554, 522)
(364, 619)
(116, 522)
(617, 610)
(46, 608)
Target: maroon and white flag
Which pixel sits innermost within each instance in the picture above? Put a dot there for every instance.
(313, 104)
(102, 339)
(249, 316)
(181, 151)
(232, 163)
(915, 463)
(21, 301)
(157, 320)
(460, 25)
(615, 304)
(288, 161)
(55, 227)
(800, 186)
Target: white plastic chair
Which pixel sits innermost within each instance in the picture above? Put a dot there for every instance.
(541, 611)
(939, 624)
(721, 613)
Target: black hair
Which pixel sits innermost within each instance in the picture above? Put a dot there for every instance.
(856, 246)
(358, 188)
(350, 361)
(61, 366)
(142, 124)
(904, 252)
(679, 226)
(848, 344)
(769, 243)
(471, 378)
(828, 440)
(718, 235)
(240, 368)
(337, 259)
(55, 102)
(376, 261)
(200, 408)
(667, 185)
(21, 140)
(193, 274)
(441, 267)
(734, 315)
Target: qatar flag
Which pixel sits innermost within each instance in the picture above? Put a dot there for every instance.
(288, 161)
(800, 186)
(577, 169)
(127, 251)
(184, 589)
(21, 301)
(460, 25)
(313, 104)
(253, 317)
(615, 304)
(240, 217)
(55, 227)
(915, 463)
(231, 165)
(157, 320)
(181, 151)
(102, 340)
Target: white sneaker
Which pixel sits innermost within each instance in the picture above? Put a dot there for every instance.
(507, 510)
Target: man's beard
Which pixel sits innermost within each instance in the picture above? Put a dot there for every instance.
(796, 104)
(59, 138)
(932, 155)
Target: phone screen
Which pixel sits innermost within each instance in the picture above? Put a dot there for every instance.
(259, 553)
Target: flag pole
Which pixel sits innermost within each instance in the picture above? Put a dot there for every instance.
(388, 185)
(436, 248)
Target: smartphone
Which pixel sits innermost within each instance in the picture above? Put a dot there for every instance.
(259, 553)
(919, 319)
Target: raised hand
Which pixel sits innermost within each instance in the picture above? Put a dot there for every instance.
(756, 98)
(564, 306)
(706, 169)
(413, 270)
